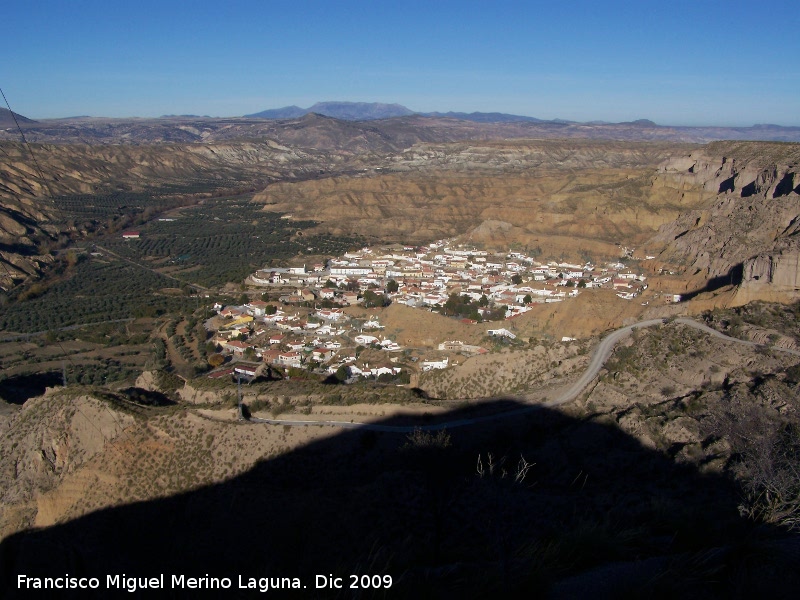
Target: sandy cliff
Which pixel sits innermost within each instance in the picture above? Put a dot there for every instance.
(561, 195)
(747, 232)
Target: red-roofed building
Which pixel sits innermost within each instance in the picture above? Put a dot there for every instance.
(270, 356)
(246, 369)
(220, 374)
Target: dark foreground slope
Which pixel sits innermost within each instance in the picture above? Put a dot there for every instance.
(446, 515)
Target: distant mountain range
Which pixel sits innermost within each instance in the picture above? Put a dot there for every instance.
(641, 129)
(492, 117)
(364, 127)
(371, 111)
(348, 111)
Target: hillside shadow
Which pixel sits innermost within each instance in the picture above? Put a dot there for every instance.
(18, 389)
(732, 277)
(728, 185)
(18, 248)
(786, 186)
(415, 507)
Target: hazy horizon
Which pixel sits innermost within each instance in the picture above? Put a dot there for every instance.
(189, 115)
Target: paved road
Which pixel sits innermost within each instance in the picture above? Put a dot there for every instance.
(600, 355)
(606, 347)
(715, 333)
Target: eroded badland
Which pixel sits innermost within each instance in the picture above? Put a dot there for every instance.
(355, 274)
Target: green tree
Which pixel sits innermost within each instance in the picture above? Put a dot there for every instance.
(392, 286)
(371, 299)
(516, 279)
(451, 307)
(527, 299)
(342, 373)
(498, 313)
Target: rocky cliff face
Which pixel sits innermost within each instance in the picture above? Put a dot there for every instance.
(771, 276)
(750, 221)
(743, 169)
(50, 440)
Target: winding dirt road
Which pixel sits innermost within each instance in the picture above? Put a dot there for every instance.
(599, 357)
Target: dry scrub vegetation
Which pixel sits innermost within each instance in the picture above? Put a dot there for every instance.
(515, 370)
(723, 407)
(675, 414)
(77, 450)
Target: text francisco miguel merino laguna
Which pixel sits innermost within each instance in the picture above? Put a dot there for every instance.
(182, 582)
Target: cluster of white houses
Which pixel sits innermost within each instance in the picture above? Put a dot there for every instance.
(426, 277)
(322, 336)
(315, 339)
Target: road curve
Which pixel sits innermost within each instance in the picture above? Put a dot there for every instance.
(599, 357)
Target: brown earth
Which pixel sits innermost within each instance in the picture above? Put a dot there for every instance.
(592, 312)
(565, 197)
(67, 455)
(420, 328)
(72, 452)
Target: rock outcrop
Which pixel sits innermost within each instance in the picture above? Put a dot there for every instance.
(747, 230)
(50, 438)
(769, 276)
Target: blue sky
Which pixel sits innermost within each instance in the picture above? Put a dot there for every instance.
(675, 62)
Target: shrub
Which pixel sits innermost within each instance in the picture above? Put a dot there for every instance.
(422, 439)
